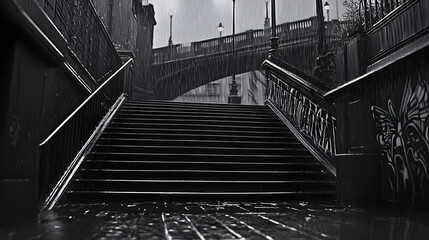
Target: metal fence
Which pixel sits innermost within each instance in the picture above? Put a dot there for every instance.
(62, 146)
(85, 34)
(309, 114)
(375, 10)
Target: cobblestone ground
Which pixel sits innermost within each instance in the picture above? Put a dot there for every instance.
(223, 220)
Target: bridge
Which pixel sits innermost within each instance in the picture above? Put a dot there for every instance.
(77, 151)
(182, 67)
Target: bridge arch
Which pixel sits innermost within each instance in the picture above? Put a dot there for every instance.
(178, 69)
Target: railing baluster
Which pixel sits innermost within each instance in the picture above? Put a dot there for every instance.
(306, 112)
(61, 147)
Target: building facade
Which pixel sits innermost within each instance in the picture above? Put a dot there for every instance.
(251, 87)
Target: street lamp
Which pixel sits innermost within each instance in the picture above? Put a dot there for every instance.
(220, 29)
(170, 40)
(233, 92)
(326, 5)
(274, 40)
(336, 7)
(267, 18)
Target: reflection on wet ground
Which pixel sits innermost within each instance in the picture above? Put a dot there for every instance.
(221, 220)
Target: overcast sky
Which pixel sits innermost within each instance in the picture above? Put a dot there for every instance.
(195, 20)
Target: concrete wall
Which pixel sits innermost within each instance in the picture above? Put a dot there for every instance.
(130, 26)
(36, 95)
(120, 20)
(383, 136)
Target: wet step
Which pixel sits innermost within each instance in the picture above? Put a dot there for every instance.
(127, 133)
(200, 157)
(268, 143)
(145, 130)
(202, 165)
(134, 196)
(199, 149)
(172, 185)
(184, 121)
(190, 112)
(193, 115)
(199, 126)
(252, 111)
(199, 174)
(195, 105)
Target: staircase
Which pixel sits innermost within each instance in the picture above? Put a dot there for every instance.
(188, 151)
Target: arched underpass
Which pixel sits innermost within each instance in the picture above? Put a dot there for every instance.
(176, 77)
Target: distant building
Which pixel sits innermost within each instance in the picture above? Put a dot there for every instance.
(251, 86)
(130, 24)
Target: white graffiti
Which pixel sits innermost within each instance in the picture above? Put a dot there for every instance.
(403, 135)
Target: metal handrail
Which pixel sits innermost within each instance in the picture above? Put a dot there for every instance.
(84, 103)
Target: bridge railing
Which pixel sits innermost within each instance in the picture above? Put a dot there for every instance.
(62, 149)
(301, 106)
(249, 39)
(85, 35)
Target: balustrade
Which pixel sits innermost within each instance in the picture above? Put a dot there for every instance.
(246, 40)
(304, 108)
(60, 149)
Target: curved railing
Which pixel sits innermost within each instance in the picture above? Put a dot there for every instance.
(61, 147)
(300, 104)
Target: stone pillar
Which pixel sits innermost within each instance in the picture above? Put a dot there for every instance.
(143, 81)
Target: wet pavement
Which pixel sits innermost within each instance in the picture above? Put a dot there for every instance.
(221, 220)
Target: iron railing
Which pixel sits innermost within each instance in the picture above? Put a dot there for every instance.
(302, 105)
(60, 148)
(85, 34)
(375, 10)
(407, 23)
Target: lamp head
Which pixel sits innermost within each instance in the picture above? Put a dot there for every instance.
(326, 5)
(220, 27)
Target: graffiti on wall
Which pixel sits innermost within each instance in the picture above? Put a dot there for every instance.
(403, 134)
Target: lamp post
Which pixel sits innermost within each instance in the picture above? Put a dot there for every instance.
(233, 92)
(274, 41)
(170, 40)
(326, 5)
(320, 28)
(336, 6)
(267, 18)
(220, 29)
